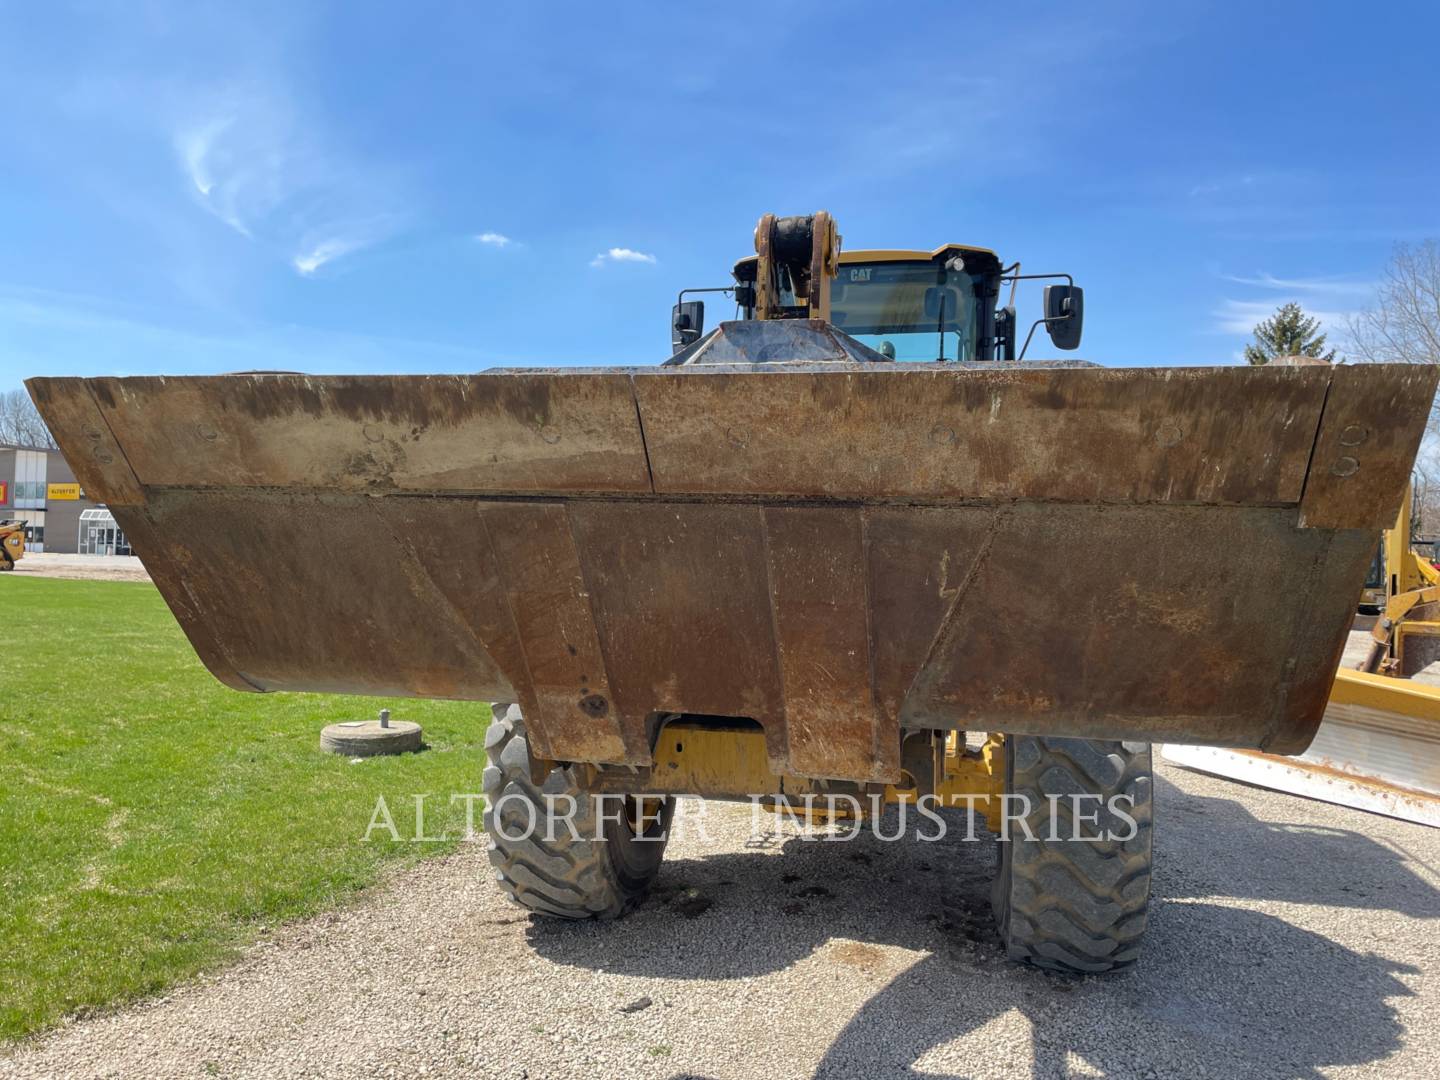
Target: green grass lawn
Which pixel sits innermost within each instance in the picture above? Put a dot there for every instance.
(152, 821)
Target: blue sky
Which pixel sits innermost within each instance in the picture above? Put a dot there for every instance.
(377, 187)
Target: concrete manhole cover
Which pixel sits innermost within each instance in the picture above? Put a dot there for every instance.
(366, 738)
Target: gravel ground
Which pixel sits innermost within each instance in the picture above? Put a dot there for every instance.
(81, 567)
(1289, 938)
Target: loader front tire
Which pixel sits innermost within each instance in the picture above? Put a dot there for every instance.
(598, 870)
(1076, 906)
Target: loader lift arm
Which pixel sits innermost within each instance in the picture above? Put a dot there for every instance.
(803, 251)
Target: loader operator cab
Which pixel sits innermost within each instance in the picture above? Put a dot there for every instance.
(913, 310)
(941, 305)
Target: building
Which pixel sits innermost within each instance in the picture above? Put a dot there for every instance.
(38, 488)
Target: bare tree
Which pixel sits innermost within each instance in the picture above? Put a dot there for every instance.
(20, 423)
(1425, 510)
(1403, 327)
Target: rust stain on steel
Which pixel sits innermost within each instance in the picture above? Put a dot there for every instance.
(513, 432)
(1229, 436)
(453, 579)
(90, 448)
(817, 572)
(1368, 437)
(919, 560)
(567, 674)
(165, 560)
(1154, 623)
(682, 604)
(332, 608)
(1332, 574)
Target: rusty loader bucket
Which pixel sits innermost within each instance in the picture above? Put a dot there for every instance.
(835, 550)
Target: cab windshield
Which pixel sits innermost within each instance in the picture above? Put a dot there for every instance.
(908, 310)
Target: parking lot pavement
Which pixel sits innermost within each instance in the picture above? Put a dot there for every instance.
(1288, 938)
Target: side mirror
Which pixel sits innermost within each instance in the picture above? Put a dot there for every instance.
(687, 323)
(1064, 315)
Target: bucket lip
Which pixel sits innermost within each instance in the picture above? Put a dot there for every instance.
(1333, 440)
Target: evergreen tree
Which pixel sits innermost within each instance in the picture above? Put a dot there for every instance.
(1289, 332)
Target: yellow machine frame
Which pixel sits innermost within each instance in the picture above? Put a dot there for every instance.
(729, 763)
(1405, 571)
(1411, 606)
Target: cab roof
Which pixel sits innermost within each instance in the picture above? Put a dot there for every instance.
(894, 254)
(904, 255)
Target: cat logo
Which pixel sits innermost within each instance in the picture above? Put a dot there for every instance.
(860, 273)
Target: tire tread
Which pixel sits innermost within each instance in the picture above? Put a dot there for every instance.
(1075, 906)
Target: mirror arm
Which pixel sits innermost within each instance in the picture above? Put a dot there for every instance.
(1037, 322)
(722, 288)
(1036, 277)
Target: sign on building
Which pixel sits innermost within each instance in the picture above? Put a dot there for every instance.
(57, 492)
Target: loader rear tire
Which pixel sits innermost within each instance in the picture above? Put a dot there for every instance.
(1075, 905)
(599, 875)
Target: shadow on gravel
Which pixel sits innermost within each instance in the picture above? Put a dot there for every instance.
(1220, 990)
(1221, 849)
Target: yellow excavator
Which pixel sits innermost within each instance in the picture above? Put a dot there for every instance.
(787, 563)
(12, 543)
(1378, 748)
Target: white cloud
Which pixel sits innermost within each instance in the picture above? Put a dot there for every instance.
(254, 163)
(1242, 316)
(242, 159)
(1335, 296)
(325, 244)
(620, 254)
(1319, 285)
(311, 259)
(494, 239)
(194, 148)
(203, 159)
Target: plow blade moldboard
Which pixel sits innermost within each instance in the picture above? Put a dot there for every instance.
(836, 551)
(1378, 749)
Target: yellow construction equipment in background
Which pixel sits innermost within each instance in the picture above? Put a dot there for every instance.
(12, 543)
(1397, 568)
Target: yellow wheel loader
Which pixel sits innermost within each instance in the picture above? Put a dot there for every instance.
(786, 564)
(12, 543)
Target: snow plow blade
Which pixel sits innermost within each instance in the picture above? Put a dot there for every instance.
(1378, 750)
(838, 551)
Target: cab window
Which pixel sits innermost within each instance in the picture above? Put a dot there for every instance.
(908, 311)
